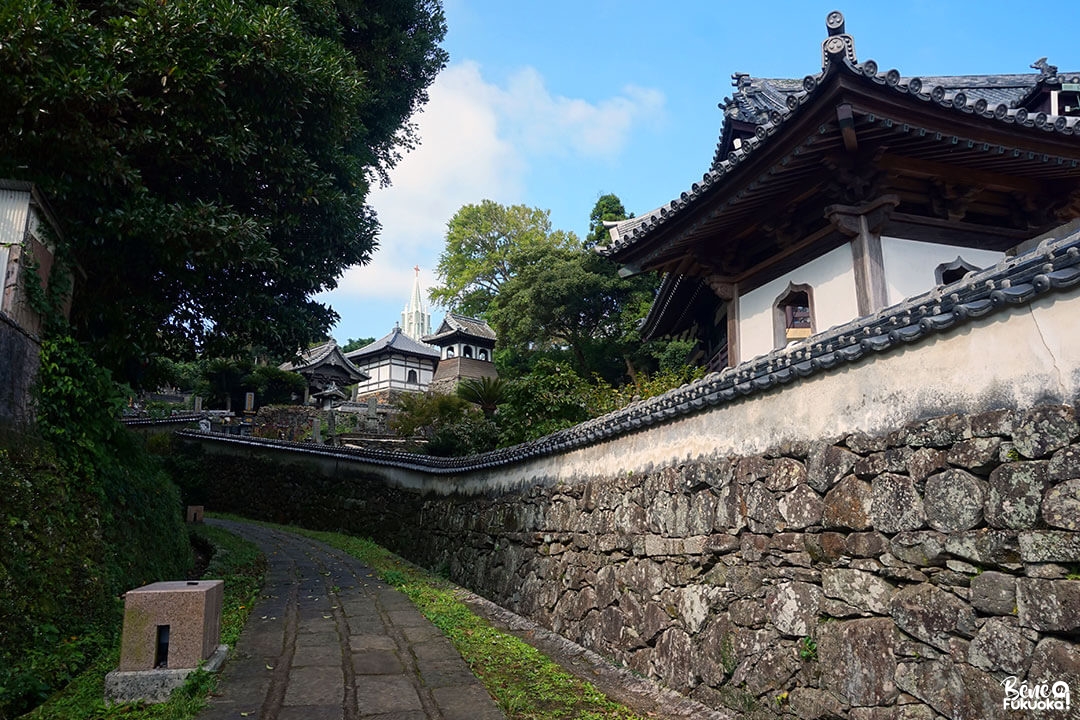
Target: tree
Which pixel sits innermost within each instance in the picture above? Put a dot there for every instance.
(608, 208)
(549, 398)
(209, 161)
(450, 425)
(485, 392)
(572, 299)
(486, 245)
(356, 344)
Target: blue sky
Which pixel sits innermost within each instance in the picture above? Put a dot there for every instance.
(555, 103)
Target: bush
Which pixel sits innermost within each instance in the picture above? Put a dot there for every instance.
(451, 425)
(85, 514)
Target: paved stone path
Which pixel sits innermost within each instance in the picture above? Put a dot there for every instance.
(329, 641)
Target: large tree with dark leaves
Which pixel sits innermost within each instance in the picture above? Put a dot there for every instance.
(209, 160)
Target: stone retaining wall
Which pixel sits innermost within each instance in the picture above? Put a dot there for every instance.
(906, 575)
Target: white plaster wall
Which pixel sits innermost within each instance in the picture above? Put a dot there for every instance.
(1017, 359)
(909, 264)
(832, 276)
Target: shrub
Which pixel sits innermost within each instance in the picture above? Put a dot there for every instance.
(85, 514)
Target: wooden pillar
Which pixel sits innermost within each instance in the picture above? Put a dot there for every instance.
(728, 291)
(863, 224)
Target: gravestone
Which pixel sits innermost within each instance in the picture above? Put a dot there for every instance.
(195, 514)
(204, 425)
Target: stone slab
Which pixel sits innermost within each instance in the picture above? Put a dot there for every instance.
(154, 686)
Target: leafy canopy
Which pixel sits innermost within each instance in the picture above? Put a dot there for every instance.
(487, 245)
(607, 208)
(209, 160)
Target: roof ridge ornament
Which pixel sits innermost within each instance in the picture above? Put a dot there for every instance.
(1046, 70)
(839, 43)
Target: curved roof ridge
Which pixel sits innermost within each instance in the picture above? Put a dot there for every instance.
(396, 339)
(625, 235)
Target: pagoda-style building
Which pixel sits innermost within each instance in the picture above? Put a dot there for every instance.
(325, 367)
(466, 350)
(835, 196)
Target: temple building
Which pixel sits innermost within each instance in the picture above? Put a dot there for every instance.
(394, 363)
(325, 367)
(466, 350)
(833, 197)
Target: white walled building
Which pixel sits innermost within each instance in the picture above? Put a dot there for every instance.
(835, 196)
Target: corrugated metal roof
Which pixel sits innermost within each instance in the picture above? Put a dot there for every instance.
(14, 209)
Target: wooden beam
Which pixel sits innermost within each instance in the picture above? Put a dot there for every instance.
(747, 275)
(870, 292)
(846, 120)
(929, 169)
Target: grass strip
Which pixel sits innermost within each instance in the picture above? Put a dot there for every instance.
(242, 566)
(525, 683)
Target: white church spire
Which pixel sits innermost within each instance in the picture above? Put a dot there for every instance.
(415, 319)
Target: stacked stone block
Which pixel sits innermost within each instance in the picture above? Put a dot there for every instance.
(903, 576)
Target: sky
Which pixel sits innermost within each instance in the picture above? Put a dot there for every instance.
(552, 104)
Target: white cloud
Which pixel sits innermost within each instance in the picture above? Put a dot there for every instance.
(546, 123)
(477, 142)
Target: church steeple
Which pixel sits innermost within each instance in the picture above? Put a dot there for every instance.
(415, 319)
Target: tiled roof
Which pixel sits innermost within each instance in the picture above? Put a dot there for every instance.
(453, 323)
(309, 357)
(1052, 267)
(755, 99)
(969, 95)
(398, 341)
(313, 357)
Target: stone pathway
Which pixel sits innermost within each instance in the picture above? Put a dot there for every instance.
(329, 641)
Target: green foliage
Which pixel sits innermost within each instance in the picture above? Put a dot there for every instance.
(52, 575)
(163, 372)
(486, 245)
(85, 515)
(450, 424)
(485, 392)
(77, 403)
(230, 379)
(546, 294)
(808, 648)
(571, 301)
(273, 385)
(549, 398)
(356, 344)
(242, 567)
(607, 208)
(210, 160)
